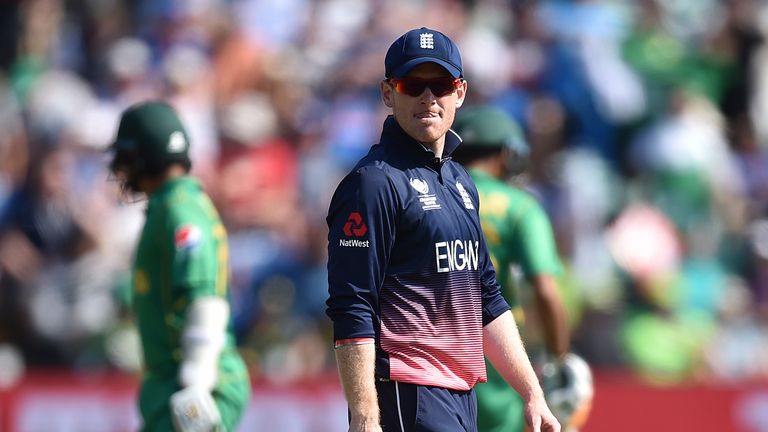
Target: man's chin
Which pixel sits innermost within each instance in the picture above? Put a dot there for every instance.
(427, 134)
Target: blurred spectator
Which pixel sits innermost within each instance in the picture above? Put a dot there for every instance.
(43, 236)
(14, 153)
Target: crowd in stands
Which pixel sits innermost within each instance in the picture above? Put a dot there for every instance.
(647, 121)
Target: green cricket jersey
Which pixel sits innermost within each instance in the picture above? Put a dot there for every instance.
(518, 233)
(182, 255)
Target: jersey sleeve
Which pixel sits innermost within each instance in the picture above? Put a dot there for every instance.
(536, 247)
(494, 303)
(199, 253)
(361, 223)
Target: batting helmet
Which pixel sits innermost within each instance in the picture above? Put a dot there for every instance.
(149, 139)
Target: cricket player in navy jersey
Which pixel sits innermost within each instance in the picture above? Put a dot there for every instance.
(412, 292)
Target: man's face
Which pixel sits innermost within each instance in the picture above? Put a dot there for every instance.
(425, 117)
(123, 169)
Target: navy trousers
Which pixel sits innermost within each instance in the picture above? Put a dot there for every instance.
(417, 408)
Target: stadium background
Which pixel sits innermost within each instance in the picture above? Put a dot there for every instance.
(647, 121)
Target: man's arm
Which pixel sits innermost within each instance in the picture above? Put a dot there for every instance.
(552, 314)
(193, 407)
(541, 264)
(356, 369)
(362, 209)
(199, 274)
(504, 348)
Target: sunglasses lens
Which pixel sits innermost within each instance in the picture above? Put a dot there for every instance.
(415, 87)
(442, 87)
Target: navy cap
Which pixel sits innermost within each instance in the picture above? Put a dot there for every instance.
(419, 46)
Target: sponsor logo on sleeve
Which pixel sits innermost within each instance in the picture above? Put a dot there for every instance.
(187, 237)
(355, 227)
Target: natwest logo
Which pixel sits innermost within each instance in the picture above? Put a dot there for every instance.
(355, 243)
(355, 227)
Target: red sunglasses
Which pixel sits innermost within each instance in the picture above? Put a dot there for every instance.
(415, 86)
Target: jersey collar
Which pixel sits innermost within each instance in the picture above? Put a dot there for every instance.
(394, 135)
(172, 184)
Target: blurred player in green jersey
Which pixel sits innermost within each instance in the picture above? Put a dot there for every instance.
(194, 379)
(518, 234)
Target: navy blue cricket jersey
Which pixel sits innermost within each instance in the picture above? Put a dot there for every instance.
(408, 265)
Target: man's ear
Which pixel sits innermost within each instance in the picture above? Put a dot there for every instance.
(461, 92)
(386, 93)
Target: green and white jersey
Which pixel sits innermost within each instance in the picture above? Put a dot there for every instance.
(182, 255)
(517, 231)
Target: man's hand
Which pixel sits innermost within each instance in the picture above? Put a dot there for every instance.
(194, 410)
(504, 348)
(356, 425)
(539, 418)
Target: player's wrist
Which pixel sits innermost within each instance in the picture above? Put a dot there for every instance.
(203, 340)
(533, 395)
(366, 418)
(366, 409)
(196, 374)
